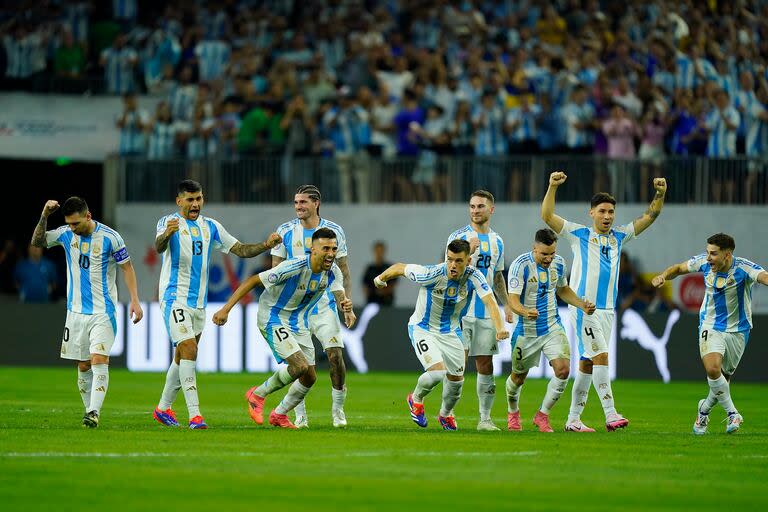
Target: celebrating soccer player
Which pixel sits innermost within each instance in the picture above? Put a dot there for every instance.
(724, 321)
(595, 277)
(435, 326)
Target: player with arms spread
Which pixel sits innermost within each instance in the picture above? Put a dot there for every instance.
(595, 277)
(725, 320)
(435, 326)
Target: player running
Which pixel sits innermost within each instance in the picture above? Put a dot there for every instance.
(595, 277)
(435, 326)
(725, 320)
(186, 239)
(291, 291)
(324, 321)
(92, 250)
(478, 333)
(534, 279)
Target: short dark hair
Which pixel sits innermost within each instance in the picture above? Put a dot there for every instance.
(602, 197)
(312, 191)
(324, 233)
(545, 236)
(74, 205)
(379, 243)
(483, 193)
(458, 246)
(188, 186)
(723, 241)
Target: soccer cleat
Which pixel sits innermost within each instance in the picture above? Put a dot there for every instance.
(487, 425)
(255, 406)
(615, 421)
(541, 420)
(198, 423)
(339, 418)
(513, 422)
(448, 422)
(577, 426)
(280, 420)
(734, 423)
(91, 419)
(301, 422)
(166, 417)
(702, 420)
(417, 412)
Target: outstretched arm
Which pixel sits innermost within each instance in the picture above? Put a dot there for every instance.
(569, 296)
(654, 209)
(129, 276)
(251, 250)
(762, 278)
(38, 236)
(396, 270)
(555, 222)
(220, 317)
(670, 273)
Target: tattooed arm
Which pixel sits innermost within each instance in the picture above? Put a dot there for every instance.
(344, 267)
(500, 289)
(654, 210)
(38, 237)
(251, 250)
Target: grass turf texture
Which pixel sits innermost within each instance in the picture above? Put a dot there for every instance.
(382, 461)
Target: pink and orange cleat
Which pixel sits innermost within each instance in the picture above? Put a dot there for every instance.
(166, 417)
(280, 420)
(513, 422)
(541, 420)
(255, 406)
(198, 423)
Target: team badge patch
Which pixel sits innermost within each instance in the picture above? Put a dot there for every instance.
(272, 278)
(308, 241)
(720, 282)
(84, 247)
(484, 246)
(543, 276)
(313, 285)
(514, 282)
(451, 291)
(195, 231)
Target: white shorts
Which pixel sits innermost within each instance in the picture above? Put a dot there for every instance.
(592, 331)
(326, 327)
(479, 336)
(730, 344)
(182, 322)
(87, 334)
(526, 350)
(284, 342)
(432, 348)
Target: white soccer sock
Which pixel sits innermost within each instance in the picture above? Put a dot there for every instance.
(451, 395)
(579, 395)
(555, 390)
(426, 383)
(722, 390)
(99, 386)
(277, 380)
(84, 384)
(300, 409)
(188, 379)
(296, 394)
(171, 388)
(709, 402)
(602, 382)
(338, 397)
(513, 395)
(486, 393)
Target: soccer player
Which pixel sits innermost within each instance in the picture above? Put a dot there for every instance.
(186, 239)
(291, 291)
(534, 279)
(324, 321)
(479, 335)
(725, 320)
(595, 276)
(92, 250)
(435, 326)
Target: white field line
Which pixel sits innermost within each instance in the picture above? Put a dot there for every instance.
(381, 453)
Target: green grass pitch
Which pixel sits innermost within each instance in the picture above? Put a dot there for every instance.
(48, 461)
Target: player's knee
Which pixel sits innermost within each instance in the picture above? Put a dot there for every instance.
(187, 350)
(562, 373)
(585, 365)
(454, 378)
(518, 378)
(84, 366)
(335, 357)
(713, 371)
(99, 359)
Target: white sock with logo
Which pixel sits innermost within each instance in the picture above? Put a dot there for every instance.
(722, 390)
(426, 383)
(84, 384)
(296, 394)
(451, 395)
(601, 380)
(486, 393)
(188, 379)
(171, 388)
(338, 397)
(99, 386)
(555, 389)
(277, 380)
(579, 395)
(513, 395)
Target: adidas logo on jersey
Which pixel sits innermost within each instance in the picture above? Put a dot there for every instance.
(102, 389)
(532, 280)
(302, 287)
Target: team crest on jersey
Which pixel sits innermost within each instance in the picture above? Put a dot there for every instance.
(451, 291)
(307, 241)
(312, 286)
(543, 276)
(84, 247)
(195, 231)
(720, 282)
(484, 246)
(95, 250)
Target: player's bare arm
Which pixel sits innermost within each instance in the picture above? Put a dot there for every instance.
(501, 329)
(344, 267)
(38, 236)
(345, 306)
(220, 317)
(762, 278)
(396, 270)
(500, 289)
(517, 307)
(654, 209)
(161, 242)
(569, 296)
(251, 250)
(129, 276)
(548, 215)
(276, 260)
(670, 273)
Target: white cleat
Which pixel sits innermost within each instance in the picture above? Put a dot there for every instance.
(487, 425)
(577, 426)
(301, 422)
(702, 420)
(339, 418)
(734, 423)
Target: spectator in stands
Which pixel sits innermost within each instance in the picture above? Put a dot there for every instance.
(35, 277)
(579, 117)
(490, 143)
(119, 62)
(721, 124)
(69, 64)
(620, 130)
(163, 134)
(382, 296)
(652, 131)
(132, 123)
(8, 258)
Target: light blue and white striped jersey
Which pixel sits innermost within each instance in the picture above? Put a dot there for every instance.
(727, 305)
(21, 55)
(757, 130)
(125, 9)
(442, 301)
(578, 114)
(487, 259)
(722, 141)
(91, 264)
(665, 80)
(537, 287)
(526, 129)
(297, 241)
(213, 57)
(132, 136)
(162, 141)
(595, 273)
(184, 271)
(490, 138)
(291, 291)
(118, 69)
(727, 83)
(181, 99)
(684, 75)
